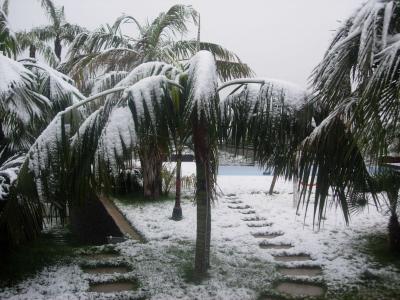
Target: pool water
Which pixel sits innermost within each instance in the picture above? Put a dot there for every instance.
(240, 171)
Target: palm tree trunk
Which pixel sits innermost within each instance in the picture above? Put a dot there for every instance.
(151, 162)
(394, 226)
(57, 47)
(271, 188)
(177, 212)
(394, 233)
(203, 197)
(32, 51)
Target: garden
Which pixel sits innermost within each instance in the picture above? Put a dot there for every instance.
(158, 165)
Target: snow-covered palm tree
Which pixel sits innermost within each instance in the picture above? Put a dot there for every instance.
(134, 110)
(356, 89)
(108, 51)
(30, 95)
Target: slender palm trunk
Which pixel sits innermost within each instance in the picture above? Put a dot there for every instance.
(271, 188)
(203, 196)
(32, 51)
(57, 47)
(177, 212)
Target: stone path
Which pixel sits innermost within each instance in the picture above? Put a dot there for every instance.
(295, 281)
(98, 265)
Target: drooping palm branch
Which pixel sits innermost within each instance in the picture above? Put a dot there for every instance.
(356, 84)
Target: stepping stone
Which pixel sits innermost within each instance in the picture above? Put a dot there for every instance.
(257, 225)
(239, 207)
(106, 270)
(255, 218)
(248, 212)
(112, 287)
(288, 258)
(267, 235)
(235, 202)
(301, 271)
(101, 256)
(275, 246)
(300, 289)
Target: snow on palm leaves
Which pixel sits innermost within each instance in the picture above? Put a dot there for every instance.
(120, 122)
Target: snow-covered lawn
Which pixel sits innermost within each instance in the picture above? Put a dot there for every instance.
(240, 268)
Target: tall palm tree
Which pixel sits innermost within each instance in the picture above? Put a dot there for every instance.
(59, 32)
(135, 109)
(108, 49)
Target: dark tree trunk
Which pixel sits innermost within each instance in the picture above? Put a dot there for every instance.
(151, 161)
(203, 196)
(57, 47)
(32, 51)
(177, 212)
(394, 226)
(394, 233)
(271, 188)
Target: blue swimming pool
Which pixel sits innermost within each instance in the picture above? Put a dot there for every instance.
(240, 171)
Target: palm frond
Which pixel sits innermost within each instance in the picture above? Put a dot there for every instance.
(26, 40)
(125, 19)
(8, 43)
(331, 160)
(52, 12)
(171, 22)
(5, 7)
(70, 31)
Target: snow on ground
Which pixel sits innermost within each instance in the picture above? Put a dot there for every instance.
(240, 268)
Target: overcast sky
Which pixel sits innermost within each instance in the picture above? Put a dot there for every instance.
(283, 39)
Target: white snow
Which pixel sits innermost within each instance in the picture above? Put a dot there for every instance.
(107, 81)
(60, 85)
(203, 81)
(43, 152)
(118, 134)
(148, 69)
(240, 268)
(12, 75)
(235, 251)
(145, 94)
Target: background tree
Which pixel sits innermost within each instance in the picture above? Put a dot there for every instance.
(59, 32)
(8, 43)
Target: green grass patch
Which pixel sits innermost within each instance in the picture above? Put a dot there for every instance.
(138, 198)
(377, 247)
(30, 258)
(372, 285)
